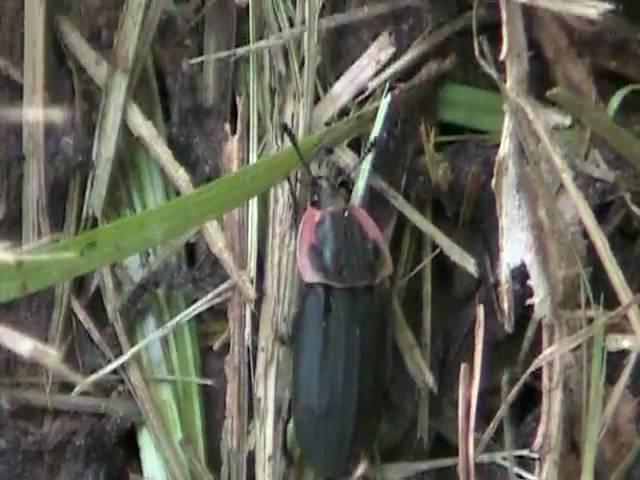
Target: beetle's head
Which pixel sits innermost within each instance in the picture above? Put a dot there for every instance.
(329, 187)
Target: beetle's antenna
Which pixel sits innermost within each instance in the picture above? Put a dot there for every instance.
(292, 190)
(292, 139)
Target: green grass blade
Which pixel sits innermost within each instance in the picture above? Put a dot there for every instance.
(594, 415)
(129, 235)
(470, 107)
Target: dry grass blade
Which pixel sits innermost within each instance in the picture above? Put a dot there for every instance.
(355, 79)
(469, 389)
(402, 470)
(274, 360)
(411, 352)
(34, 193)
(144, 130)
(592, 9)
(241, 227)
(311, 64)
(219, 34)
(121, 408)
(474, 392)
(50, 114)
(618, 391)
(90, 327)
(427, 322)
(273, 363)
(353, 16)
(416, 359)
(423, 45)
(452, 250)
(113, 104)
(35, 351)
(465, 430)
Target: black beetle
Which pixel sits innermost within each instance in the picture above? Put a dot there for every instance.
(341, 334)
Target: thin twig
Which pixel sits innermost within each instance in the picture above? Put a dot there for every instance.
(123, 408)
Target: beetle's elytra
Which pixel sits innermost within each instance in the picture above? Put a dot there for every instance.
(340, 353)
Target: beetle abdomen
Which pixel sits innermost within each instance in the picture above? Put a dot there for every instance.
(338, 370)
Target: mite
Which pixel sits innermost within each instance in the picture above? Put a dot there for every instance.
(341, 335)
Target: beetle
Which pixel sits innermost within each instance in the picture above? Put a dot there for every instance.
(341, 332)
